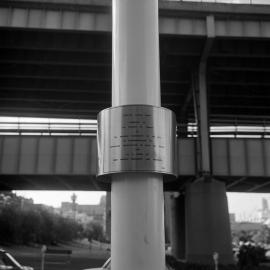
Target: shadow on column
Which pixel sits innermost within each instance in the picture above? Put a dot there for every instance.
(207, 223)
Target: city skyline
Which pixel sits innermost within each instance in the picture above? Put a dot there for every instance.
(245, 206)
(55, 198)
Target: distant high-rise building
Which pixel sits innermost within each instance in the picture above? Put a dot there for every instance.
(264, 212)
(265, 204)
(232, 218)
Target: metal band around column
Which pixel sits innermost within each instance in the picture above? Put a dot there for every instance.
(137, 138)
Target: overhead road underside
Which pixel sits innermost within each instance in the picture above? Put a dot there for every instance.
(62, 69)
(52, 71)
(68, 74)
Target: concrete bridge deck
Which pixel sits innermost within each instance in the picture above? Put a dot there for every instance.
(55, 58)
(55, 61)
(64, 162)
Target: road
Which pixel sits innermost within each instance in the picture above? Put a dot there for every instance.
(81, 258)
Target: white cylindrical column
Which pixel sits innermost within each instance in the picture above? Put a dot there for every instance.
(137, 222)
(137, 198)
(135, 67)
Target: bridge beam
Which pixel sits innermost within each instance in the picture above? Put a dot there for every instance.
(208, 227)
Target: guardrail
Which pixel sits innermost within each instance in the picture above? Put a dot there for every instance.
(84, 127)
(47, 127)
(250, 2)
(227, 131)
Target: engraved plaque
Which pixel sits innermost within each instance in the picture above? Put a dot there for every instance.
(136, 138)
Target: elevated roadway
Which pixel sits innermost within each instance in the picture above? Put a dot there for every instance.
(70, 162)
(55, 61)
(55, 58)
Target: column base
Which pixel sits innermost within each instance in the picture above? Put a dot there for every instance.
(207, 223)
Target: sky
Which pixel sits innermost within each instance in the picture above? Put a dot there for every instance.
(244, 205)
(54, 198)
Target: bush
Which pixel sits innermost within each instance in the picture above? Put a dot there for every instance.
(34, 225)
(94, 231)
(191, 266)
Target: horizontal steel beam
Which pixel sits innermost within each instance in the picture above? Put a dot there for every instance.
(9, 110)
(239, 69)
(62, 78)
(53, 100)
(166, 8)
(38, 162)
(54, 49)
(57, 64)
(54, 90)
(37, 154)
(170, 22)
(239, 83)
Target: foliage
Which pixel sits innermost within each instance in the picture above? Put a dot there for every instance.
(262, 236)
(94, 231)
(250, 256)
(191, 266)
(33, 224)
(257, 236)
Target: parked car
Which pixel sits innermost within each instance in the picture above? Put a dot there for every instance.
(7, 262)
(170, 264)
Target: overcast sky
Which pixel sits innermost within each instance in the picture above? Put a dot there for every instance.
(54, 198)
(244, 205)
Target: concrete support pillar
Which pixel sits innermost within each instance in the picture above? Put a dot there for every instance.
(178, 231)
(207, 217)
(208, 225)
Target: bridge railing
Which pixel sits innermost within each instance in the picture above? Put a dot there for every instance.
(47, 126)
(84, 127)
(250, 2)
(229, 131)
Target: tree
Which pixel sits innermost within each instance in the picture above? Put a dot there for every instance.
(34, 224)
(94, 231)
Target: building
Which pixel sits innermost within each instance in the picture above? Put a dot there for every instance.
(232, 218)
(264, 213)
(85, 213)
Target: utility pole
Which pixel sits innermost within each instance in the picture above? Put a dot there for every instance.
(136, 139)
